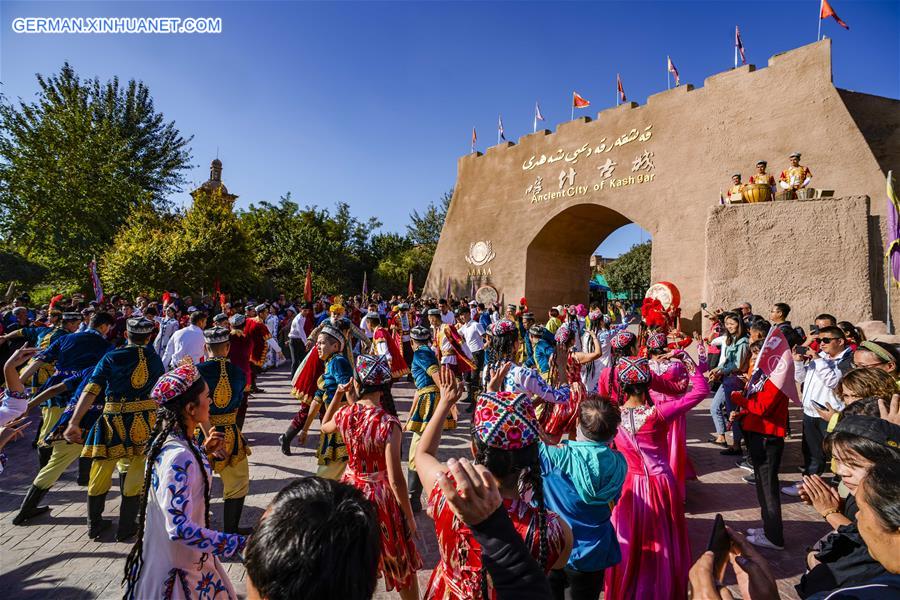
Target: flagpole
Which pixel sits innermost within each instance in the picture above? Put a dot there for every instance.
(819, 32)
(617, 89)
(573, 107)
(668, 75)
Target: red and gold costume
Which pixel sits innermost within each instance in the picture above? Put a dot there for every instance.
(766, 178)
(449, 345)
(734, 193)
(258, 334)
(384, 343)
(794, 178)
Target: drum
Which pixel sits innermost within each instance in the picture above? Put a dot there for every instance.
(785, 195)
(667, 294)
(757, 192)
(487, 295)
(806, 194)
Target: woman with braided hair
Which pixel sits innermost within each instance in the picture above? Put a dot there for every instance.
(649, 517)
(505, 439)
(559, 419)
(176, 555)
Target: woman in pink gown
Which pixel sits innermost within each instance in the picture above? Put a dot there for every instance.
(667, 365)
(649, 518)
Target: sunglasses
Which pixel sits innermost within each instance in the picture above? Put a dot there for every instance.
(826, 340)
(865, 366)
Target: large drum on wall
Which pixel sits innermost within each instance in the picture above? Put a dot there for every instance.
(487, 295)
(757, 192)
(667, 294)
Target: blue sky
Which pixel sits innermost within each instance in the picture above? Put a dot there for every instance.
(373, 102)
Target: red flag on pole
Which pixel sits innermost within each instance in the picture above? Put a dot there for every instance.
(578, 101)
(774, 367)
(307, 286)
(826, 11)
(410, 289)
(620, 88)
(474, 139)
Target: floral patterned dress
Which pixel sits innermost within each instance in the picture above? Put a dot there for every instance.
(181, 556)
(366, 431)
(458, 574)
(561, 418)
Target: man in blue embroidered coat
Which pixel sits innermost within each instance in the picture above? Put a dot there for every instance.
(425, 369)
(332, 453)
(41, 336)
(70, 354)
(226, 384)
(63, 453)
(128, 375)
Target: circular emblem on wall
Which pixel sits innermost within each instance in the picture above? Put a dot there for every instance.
(480, 253)
(487, 295)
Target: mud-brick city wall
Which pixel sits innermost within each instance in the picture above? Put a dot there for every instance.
(813, 254)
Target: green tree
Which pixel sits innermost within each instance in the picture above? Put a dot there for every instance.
(186, 251)
(209, 246)
(631, 271)
(75, 162)
(425, 229)
(15, 267)
(138, 259)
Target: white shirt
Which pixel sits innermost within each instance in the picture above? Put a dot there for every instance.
(185, 342)
(820, 378)
(473, 333)
(448, 318)
(297, 331)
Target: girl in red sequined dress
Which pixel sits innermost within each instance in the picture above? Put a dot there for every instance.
(505, 438)
(373, 440)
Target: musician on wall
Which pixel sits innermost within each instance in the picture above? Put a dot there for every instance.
(762, 177)
(794, 178)
(735, 192)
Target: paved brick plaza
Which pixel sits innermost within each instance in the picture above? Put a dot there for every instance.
(53, 558)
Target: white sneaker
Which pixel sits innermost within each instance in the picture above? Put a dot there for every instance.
(792, 490)
(760, 539)
(755, 530)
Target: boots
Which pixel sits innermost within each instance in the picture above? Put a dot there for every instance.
(30, 506)
(128, 513)
(231, 517)
(415, 490)
(44, 456)
(96, 523)
(286, 438)
(84, 470)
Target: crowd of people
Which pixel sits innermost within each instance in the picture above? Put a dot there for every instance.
(575, 485)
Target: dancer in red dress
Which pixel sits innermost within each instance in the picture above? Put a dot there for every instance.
(560, 419)
(373, 440)
(505, 438)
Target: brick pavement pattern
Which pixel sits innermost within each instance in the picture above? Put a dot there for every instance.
(52, 557)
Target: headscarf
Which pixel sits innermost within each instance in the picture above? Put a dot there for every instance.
(631, 369)
(373, 370)
(174, 383)
(503, 327)
(563, 334)
(657, 341)
(621, 340)
(505, 420)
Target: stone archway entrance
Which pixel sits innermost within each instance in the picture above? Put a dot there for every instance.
(564, 243)
(524, 217)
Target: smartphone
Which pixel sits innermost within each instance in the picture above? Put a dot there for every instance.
(820, 406)
(703, 305)
(720, 546)
(813, 329)
(801, 350)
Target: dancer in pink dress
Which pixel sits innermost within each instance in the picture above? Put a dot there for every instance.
(649, 518)
(667, 365)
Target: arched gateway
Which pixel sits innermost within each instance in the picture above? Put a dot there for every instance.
(525, 217)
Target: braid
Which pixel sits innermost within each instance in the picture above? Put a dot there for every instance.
(200, 465)
(165, 423)
(531, 477)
